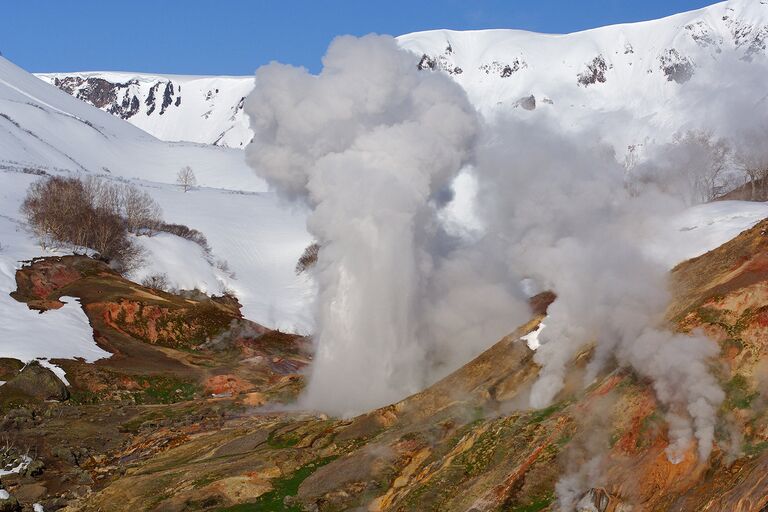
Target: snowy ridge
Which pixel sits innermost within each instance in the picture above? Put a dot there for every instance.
(203, 109)
(641, 70)
(632, 71)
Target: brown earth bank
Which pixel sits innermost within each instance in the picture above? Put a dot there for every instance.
(182, 364)
(468, 443)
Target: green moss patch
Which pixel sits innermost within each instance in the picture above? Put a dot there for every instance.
(738, 392)
(274, 500)
(165, 390)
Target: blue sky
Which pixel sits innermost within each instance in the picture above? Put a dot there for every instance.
(236, 36)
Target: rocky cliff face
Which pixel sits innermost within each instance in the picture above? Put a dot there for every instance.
(197, 109)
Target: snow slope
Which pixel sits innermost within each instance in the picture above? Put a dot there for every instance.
(27, 334)
(204, 109)
(633, 82)
(43, 129)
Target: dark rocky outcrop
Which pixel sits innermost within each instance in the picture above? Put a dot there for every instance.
(39, 382)
(595, 72)
(676, 67)
(9, 368)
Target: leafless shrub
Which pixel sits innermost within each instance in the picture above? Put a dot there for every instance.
(223, 265)
(142, 214)
(308, 258)
(694, 167)
(156, 282)
(75, 213)
(752, 158)
(186, 232)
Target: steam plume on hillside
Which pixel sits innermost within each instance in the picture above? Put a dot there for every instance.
(565, 217)
(372, 145)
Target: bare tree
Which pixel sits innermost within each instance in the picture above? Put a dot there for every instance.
(186, 178)
(705, 169)
(752, 158)
(308, 258)
(142, 214)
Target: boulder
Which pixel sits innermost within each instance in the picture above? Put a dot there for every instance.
(9, 368)
(39, 382)
(8, 503)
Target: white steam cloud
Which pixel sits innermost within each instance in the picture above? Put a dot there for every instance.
(372, 145)
(564, 216)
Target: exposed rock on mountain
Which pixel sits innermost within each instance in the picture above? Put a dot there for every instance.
(196, 109)
(469, 442)
(36, 381)
(634, 69)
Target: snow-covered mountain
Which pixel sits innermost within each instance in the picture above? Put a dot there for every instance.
(45, 131)
(658, 72)
(641, 71)
(202, 109)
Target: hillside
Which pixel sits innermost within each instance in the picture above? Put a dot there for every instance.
(465, 443)
(187, 383)
(46, 132)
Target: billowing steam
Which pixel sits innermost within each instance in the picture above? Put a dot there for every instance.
(371, 145)
(565, 217)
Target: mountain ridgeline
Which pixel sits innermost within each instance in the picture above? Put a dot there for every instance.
(642, 69)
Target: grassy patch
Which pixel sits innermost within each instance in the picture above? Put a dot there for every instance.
(750, 450)
(536, 505)
(282, 441)
(738, 392)
(274, 500)
(83, 397)
(161, 389)
(542, 414)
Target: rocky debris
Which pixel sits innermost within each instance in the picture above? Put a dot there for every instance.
(167, 325)
(526, 102)
(702, 33)
(167, 97)
(440, 62)
(8, 503)
(11, 460)
(595, 72)
(752, 39)
(117, 98)
(73, 455)
(33, 468)
(502, 69)
(18, 418)
(39, 382)
(598, 499)
(127, 108)
(676, 67)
